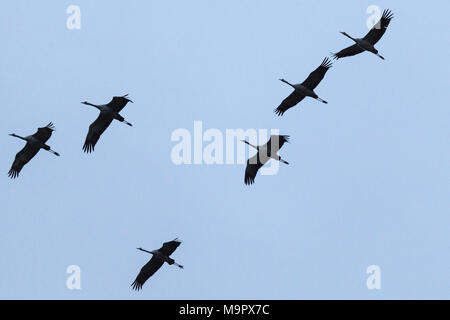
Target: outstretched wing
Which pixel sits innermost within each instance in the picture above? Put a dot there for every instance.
(253, 165)
(294, 98)
(95, 131)
(169, 247)
(317, 75)
(118, 103)
(44, 133)
(347, 52)
(146, 272)
(377, 31)
(275, 143)
(22, 158)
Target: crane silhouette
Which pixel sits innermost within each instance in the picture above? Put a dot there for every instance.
(34, 143)
(108, 112)
(267, 151)
(159, 257)
(370, 39)
(304, 89)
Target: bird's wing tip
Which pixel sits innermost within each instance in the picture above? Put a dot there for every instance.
(50, 126)
(387, 14)
(136, 285)
(278, 112)
(327, 63)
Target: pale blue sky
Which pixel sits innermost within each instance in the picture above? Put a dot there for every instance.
(368, 181)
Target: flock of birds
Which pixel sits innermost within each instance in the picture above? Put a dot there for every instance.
(306, 89)
(110, 112)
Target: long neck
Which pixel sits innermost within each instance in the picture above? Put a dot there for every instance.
(345, 34)
(145, 250)
(15, 135)
(250, 144)
(282, 80)
(91, 104)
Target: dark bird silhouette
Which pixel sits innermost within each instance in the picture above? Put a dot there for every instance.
(108, 112)
(304, 89)
(368, 42)
(159, 257)
(34, 143)
(265, 152)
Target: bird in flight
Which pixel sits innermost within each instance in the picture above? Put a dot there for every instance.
(267, 151)
(368, 42)
(159, 257)
(34, 143)
(304, 89)
(108, 112)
